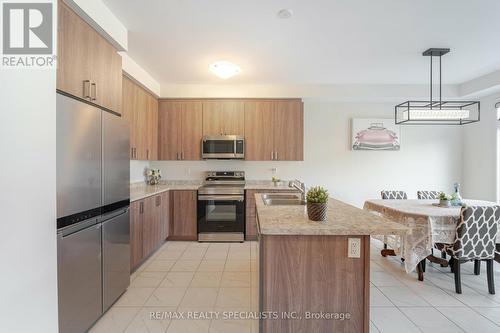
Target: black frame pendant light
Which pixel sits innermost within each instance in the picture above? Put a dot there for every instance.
(437, 112)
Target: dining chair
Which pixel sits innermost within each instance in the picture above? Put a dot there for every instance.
(475, 239)
(428, 195)
(387, 195)
(497, 253)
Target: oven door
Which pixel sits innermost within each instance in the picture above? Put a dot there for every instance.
(221, 213)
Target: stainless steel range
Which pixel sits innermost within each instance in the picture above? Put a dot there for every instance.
(221, 207)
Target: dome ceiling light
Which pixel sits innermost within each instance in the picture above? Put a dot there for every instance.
(285, 14)
(437, 112)
(224, 69)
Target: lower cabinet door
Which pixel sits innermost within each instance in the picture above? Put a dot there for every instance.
(165, 215)
(184, 215)
(151, 225)
(136, 228)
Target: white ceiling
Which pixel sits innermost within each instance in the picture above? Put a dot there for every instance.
(325, 42)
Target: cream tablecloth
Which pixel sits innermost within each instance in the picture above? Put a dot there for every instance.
(429, 224)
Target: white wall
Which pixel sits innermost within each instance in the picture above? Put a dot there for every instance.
(98, 15)
(430, 157)
(137, 170)
(480, 180)
(139, 75)
(28, 281)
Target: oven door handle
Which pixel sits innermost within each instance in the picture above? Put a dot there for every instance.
(220, 197)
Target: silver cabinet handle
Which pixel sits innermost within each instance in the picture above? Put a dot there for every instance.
(276, 155)
(182, 155)
(86, 89)
(147, 154)
(93, 91)
(177, 155)
(272, 155)
(131, 152)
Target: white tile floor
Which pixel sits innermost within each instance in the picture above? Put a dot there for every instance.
(190, 276)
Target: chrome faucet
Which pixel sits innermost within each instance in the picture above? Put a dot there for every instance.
(300, 186)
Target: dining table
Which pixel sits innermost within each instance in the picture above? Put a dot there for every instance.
(429, 224)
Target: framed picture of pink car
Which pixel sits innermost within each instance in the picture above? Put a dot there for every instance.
(375, 134)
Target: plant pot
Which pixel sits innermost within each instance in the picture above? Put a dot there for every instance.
(317, 211)
(445, 203)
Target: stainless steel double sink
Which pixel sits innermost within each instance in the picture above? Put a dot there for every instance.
(282, 200)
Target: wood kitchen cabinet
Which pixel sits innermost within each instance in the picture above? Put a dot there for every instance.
(223, 117)
(259, 131)
(165, 215)
(152, 127)
(147, 219)
(140, 108)
(88, 66)
(136, 223)
(151, 230)
(183, 225)
(274, 130)
(179, 130)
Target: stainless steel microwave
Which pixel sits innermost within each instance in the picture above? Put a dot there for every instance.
(223, 147)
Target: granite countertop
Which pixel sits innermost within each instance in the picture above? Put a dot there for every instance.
(141, 190)
(343, 219)
(267, 185)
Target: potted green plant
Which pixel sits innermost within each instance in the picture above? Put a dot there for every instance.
(444, 200)
(317, 203)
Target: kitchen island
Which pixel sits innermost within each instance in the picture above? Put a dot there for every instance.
(308, 282)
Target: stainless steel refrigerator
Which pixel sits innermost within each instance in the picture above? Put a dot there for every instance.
(93, 228)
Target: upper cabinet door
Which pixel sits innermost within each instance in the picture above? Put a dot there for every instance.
(153, 127)
(169, 129)
(106, 74)
(213, 118)
(141, 110)
(224, 117)
(88, 66)
(233, 118)
(289, 130)
(192, 130)
(128, 113)
(74, 39)
(259, 119)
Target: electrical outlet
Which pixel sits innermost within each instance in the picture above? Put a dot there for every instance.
(354, 248)
(274, 171)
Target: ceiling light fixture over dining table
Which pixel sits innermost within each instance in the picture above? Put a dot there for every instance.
(437, 112)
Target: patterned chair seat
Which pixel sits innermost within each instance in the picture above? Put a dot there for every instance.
(428, 195)
(393, 195)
